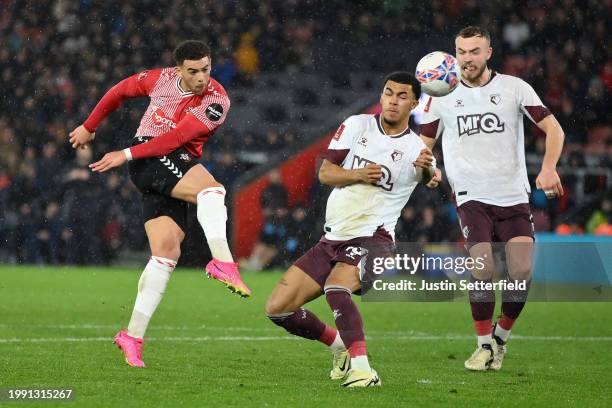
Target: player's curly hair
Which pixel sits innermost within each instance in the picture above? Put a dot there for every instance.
(474, 31)
(190, 50)
(403, 77)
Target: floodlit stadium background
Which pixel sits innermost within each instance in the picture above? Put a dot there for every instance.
(294, 70)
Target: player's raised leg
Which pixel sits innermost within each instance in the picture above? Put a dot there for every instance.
(165, 238)
(341, 283)
(284, 308)
(519, 254)
(199, 187)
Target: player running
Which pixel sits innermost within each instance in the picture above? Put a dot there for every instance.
(186, 107)
(374, 162)
(484, 156)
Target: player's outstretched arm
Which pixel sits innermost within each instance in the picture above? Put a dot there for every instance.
(548, 179)
(81, 137)
(200, 123)
(109, 161)
(333, 175)
(187, 129)
(132, 87)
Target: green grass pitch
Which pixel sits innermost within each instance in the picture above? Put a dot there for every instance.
(207, 347)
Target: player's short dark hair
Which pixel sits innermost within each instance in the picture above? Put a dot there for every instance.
(474, 31)
(190, 50)
(403, 77)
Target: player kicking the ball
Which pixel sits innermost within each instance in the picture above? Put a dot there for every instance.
(374, 163)
(484, 156)
(186, 107)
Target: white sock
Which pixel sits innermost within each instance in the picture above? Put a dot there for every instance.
(151, 287)
(212, 215)
(502, 333)
(338, 345)
(487, 339)
(361, 363)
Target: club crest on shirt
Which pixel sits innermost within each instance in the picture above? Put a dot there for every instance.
(397, 155)
(495, 99)
(465, 231)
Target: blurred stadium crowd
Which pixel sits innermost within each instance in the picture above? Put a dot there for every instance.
(59, 57)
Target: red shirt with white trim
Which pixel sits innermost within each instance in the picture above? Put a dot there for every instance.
(174, 118)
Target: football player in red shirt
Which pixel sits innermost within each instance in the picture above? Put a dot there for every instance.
(186, 107)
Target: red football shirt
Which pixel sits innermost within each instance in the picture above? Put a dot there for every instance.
(174, 118)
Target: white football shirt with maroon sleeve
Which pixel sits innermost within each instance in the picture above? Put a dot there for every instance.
(360, 210)
(483, 138)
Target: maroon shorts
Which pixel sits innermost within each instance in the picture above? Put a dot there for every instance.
(319, 260)
(482, 222)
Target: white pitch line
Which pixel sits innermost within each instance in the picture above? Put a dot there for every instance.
(110, 339)
(409, 335)
(88, 326)
(396, 335)
(200, 339)
(513, 337)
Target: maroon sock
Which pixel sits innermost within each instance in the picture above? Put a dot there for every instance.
(513, 302)
(348, 319)
(302, 323)
(482, 302)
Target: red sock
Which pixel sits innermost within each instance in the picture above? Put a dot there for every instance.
(483, 327)
(358, 348)
(328, 336)
(506, 322)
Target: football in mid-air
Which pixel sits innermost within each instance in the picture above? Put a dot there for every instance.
(438, 73)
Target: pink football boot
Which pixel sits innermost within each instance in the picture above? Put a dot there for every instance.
(131, 347)
(227, 272)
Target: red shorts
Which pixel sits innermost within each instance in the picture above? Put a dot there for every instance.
(482, 222)
(319, 260)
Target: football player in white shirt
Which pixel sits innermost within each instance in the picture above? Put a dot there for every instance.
(484, 156)
(374, 163)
